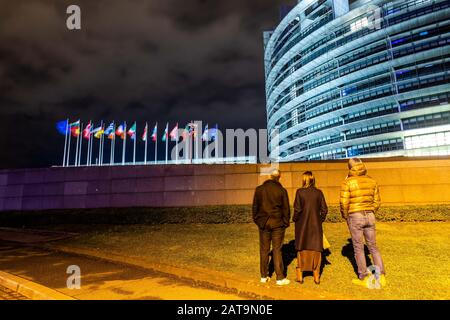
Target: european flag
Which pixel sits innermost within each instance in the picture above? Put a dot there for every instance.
(62, 127)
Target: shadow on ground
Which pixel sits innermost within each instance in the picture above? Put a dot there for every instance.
(289, 254)
(349, 253)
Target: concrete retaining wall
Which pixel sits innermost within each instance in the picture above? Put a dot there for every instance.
(402, 181)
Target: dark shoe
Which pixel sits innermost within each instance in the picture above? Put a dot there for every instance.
(299, 275)
(316, 277)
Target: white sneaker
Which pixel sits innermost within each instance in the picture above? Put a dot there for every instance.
(265, 280)
(283, 282)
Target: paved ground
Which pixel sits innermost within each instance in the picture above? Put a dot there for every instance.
(99, 279)
(7, 294)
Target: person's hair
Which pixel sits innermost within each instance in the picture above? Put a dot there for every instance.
(353, 161)
(308, 180)
(275, 175)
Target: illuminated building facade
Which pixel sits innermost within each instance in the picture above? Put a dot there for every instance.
(360, 78)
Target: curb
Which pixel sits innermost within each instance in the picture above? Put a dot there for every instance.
(207, 278)
(30, 289)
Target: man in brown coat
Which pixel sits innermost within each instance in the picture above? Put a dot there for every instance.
(271, 213)
(360, 200)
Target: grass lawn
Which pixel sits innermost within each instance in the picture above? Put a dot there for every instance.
(416, 254)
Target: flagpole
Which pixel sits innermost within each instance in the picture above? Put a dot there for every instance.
(134, 148)
(87, 152)
(167, 139)
(156, 143)
(176, 147)
(111, 156)
(68, 147)
(113, 147)
(91, 138)
(102, 139)
(146, 140)
(99, 145)
(81, 144)
(76, 151)
(65, 142)
(124, 143)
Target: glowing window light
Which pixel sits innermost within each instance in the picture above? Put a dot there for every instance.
(359, 24)
(428, 140)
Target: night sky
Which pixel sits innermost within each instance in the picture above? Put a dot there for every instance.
(154, 60)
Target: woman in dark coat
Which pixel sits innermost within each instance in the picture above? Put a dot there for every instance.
(310, 210)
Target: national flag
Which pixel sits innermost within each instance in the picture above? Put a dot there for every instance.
(109, 129)
(132, 131)
(186, 131)
(192, 129)
(75, 128)
(205, 136)
(213, 132)
(87, 131)
(62, 127)
(155, 132)
(120, 131)
(98, 132)
(174, 133)
(166, 133)
(144, 135)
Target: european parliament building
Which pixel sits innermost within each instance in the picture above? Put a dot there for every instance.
(365, 78)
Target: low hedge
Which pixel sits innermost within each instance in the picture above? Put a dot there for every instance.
(203, 214)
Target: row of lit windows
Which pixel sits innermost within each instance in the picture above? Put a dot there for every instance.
(325, 141)
(375, 147)
(428, 140)
(380, 128)
(328, 155)
(374, 130)
(425, 101)
(428, 120)
(370, 113)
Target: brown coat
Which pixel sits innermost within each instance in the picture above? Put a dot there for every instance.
(271, 205)
(310, 210)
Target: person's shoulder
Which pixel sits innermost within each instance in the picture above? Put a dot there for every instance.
(300, 190)
(318, 190)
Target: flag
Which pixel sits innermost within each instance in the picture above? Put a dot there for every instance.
(109, 129)
(62, 127)
(213, 132)
(166, 133)
(192, 129)
(174, 133)
(87, 131)
(132, 131)
(186, 131)
(120, 131)
(155, 132)
(75, 128)
(98, 132)
(205, 136)
(144, 135)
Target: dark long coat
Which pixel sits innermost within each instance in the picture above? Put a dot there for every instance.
(310, 210)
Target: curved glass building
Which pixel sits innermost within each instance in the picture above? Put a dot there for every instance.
(360, 78)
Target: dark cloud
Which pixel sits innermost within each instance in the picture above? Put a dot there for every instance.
(160, 60)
